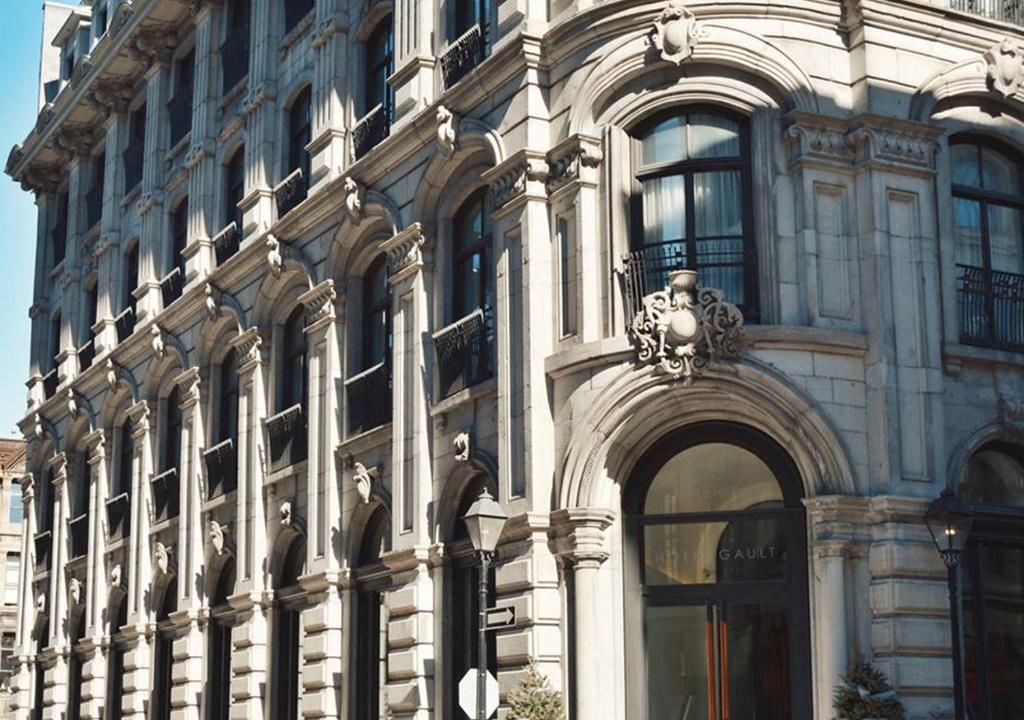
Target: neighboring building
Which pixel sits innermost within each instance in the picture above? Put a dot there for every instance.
(12, 469)
(312, 274)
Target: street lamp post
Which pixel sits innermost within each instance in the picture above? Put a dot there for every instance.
(949, 525)
(484, 520)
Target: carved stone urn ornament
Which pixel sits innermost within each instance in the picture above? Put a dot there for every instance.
(685, 327)
(1006, 67)
(675, 33)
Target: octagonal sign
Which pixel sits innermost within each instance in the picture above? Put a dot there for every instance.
(467, 694)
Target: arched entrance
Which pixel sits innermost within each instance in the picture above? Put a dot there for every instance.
(716, 553)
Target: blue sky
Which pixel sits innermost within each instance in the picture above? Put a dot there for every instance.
(20, 27)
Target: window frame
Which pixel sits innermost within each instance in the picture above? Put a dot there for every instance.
(299, 130)
(462, 257)
(372, 309)
(381, 37)
(179, 236)
(294, 359)
(234, 187)
(170, 452)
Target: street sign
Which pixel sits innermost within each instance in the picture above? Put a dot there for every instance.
(500, 617)
(467, 694)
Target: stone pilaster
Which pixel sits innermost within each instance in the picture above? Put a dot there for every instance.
(410, 620)
(202, 171)
(260, 120)
(94, 669)
(249, 638)
(413, 79)
(57, 672)
(21, 704)
(330, 91)
(151, 202)
(323, 674)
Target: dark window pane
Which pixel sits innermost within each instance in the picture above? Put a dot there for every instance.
(967, 229)
(665, 142)
(1005, 239)
(664, 206)
(999, 172)
(678, 661)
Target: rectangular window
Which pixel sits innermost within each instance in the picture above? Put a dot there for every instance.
(234, 189)
(60, 229)
(567, 272)
(16, 513)
(11, 571)
(6, 660)
(179, 236)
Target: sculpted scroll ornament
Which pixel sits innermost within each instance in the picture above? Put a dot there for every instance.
(363, 479)
(685, 327)
(162, 558)
(675, 33)
(1006, 67)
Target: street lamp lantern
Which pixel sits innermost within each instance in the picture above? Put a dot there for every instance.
(485, 520)
(949, 526)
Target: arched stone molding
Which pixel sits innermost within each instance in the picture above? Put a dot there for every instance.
(221, 308)
(372, 17)
(161, 374)
(641, 404)
(214, 337)
(454, 489)
(220, 557)
(120, 381)
(1004, 431)
(967, 80)
(297, 275)
(759, 69)
(115, 404)
(380, 500)
(357, 244)
(292, 530)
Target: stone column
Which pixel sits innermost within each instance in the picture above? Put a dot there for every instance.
(77, 152)
(201, 164)
(413, 79)
(21, 704)
(108, 301)
(830, 612)
(57, 673)
(151, 216)
(137, 647)
(584, 546)
(260, 120)
(331, 94)
(324, 676)
(94, 663)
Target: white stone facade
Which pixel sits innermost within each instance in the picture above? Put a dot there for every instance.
(855, 366)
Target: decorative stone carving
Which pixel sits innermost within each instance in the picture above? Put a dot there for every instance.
(1005, 67)
(895, 146)
(138, 414)
(199, 152)
(122, 16)
(41, 604)
(566, 163)
(511, 181)
(445, 131)
(152, 45)
(188, 382)
(685, 327)
(462, 445)
(111, 374)
(323, 33)
(319, 302)
(162, 558)
(248, 344)
(72, 403)
(1011, 415)
(211, 302)
(157, 341)
(218, 538)
(405, 249)
(274, 259)
(258, 96)
(354, 193)
(37, 426)
(286, 514)
(75, 591)
(75, 140)
(150, 201)
(822, 141)
(363, 479)
(676, 32)
(110, 95)
(116, 577)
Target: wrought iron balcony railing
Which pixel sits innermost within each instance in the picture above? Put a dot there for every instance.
(179, 113)
(371, 130)
(234, 60)
(463, 351)
(991, 308)
(43, 543)
(132, 159)
(165, 495)
(79, 531)
(50, 384)
(226, 243)
(119, 517)
(290, 192)
(86, 354)
(463, 55)
(1009, 11)
(221, 469)
(369, 398)
(286, 436)
(172, 286)
(125, 324)
(93, 207)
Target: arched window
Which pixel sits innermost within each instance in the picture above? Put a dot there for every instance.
(692, 202)
(234, 51)
(472, 264)
(126, 319)
(286, 631)
(286, 430)
(376, 313)
(175, 280)
(222, 459)
(716, 529)
(293, 367)
(218, 668)
(380, 64)
(163, 654)
(988, 198)
(55, 344)
(115, 658)
(371, 619)
(992, 571)
(125, 455)
(171, 455)
(463, 614)
(227, 411)
(234, 188)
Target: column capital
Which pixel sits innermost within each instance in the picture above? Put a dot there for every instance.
(406, 252)
(319, 304)
(96, 443)
(574, 161)
(188, 382)
(138, 415)
(580, 535)
(248, 345)
(58, 466)
(523, 176)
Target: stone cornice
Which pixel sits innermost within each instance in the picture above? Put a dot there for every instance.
(406, 252)
(247, 344)
(522, 175)
(319, 303)
(574, 160)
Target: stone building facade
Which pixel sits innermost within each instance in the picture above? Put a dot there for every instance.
(312, 274)
(12, 469)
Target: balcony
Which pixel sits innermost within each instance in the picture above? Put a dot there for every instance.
(171, 287)
(86, 354)
(125, 324)
(93, 207)
(179, 112)
(132, 159)
(1009, 11)
(369, 398)
(290, 192)
(286, 436)
(221, 469)
(165, 495)
(463, 352)
(371, 130)
(234, 61)
(44, 545)
(50, 384)
(78, 529)
(991, 308)
(463, 55)
(226, 243)
(119, 516)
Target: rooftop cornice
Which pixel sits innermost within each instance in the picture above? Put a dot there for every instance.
(78, 14)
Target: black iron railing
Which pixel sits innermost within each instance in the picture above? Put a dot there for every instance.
(125, 324)
(86, 354)
(290, 192)
(221, 469)
(226, 243)
(132, 159)
(79, 531)
(463, 55)
(371, 130)
(463, 351)
(179, 114)
(172, 285)
(44, 546)
(286, 436)
(93, 206)
(119, 516)
(1009, 11)
(50, 384)
(991, 308)
(369, 398)
(234, 60)
(165, 495)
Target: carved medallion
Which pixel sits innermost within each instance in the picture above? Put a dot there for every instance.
(685, 327)
(1005, 67)
(675, 33)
